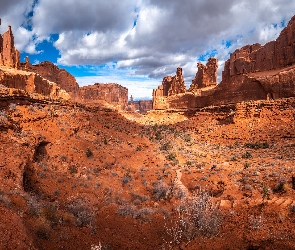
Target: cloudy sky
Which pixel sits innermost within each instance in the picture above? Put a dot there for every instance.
(137, 42)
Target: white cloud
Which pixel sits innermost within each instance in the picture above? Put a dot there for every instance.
(167, 34)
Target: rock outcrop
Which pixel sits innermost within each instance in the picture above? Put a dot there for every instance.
(170, 86)
(141, 106)
(53, 73)
(206, 75)
(254, 72)
(112, 93)
(9, 55)
(32, 83)
(177, 84)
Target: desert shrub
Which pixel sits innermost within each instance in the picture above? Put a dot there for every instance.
(265, 191)
(257, 145)
(166, 146)
(81, 210)
(138, 148)
(247, 165)
(158, 135)
(3, 117)
(172, 157)
(196, 216)
(50, 213)
(96, 247)
(132, 211)
(34, 206)
(43, 232)
(247, 155)
(142, 198)
(12, 106)
(281, 187)
(188, 163)
(187, 138)
(292, 208)
(5, 200)
(255, 222)
(89, 153)
(126, 178)
(143, 212)
(126, 210)
(73, 169)
(161, 190)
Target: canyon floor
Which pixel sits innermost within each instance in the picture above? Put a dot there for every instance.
(89, 177)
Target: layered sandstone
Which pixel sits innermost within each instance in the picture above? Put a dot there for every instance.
(141, 106)
(31, 83)
(9, 55)
(112, 93)
(171, 85)
(206, 75)
(253, 72)
(53, 73)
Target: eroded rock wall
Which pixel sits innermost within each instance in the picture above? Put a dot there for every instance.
(112, 93)
(53, 73)
(9, 55)
(206, 75)
(32, 83)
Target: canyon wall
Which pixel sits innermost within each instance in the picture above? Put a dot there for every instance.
(53, 73)
(253, 72)
(112, 93)
(32, 84)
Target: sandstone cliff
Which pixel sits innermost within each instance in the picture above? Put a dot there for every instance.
(9, 55)
(31, 83)
(53, 73)
(112, 93)
(206, 75)
(253, 72)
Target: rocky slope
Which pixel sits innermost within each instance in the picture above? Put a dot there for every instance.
(76, 176)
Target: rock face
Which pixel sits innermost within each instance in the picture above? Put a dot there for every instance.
(177, 84)
(206, 75)
(170, 86)
(32, 84)
(145, 105)
(256, 58)
(9, 55)
(253, 72)
(53, 73)
(141, 106)
(112, 93)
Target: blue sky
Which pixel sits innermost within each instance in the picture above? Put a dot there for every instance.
(138, 42)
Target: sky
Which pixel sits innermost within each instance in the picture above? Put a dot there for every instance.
(136, 43)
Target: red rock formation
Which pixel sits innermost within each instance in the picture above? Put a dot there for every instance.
(254, 72)
(53, 73)
(206, 75)
(9, 55)
(170, 86)
(32, 83)
(141, 106)
(112, 93)
(145, 105)
(177, 85)
(256, 58)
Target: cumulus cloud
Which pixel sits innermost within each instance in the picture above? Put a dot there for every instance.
(148, 38)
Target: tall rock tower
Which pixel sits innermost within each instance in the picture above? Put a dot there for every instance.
(9, 55)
